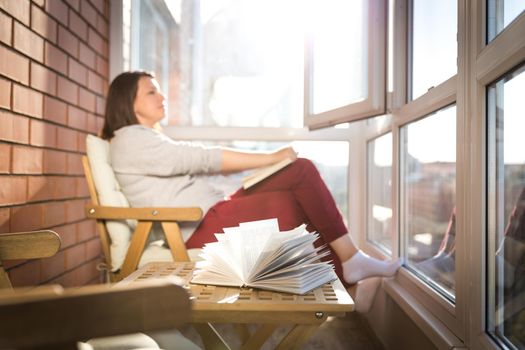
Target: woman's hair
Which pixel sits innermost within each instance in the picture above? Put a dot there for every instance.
(119, 103)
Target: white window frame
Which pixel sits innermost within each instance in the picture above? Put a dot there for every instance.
(375, 103)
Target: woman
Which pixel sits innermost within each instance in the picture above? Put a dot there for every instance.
(154, 170)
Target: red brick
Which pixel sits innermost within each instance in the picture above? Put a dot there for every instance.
(67, 41)
(65, 187)
(4, 220)
(40, 188)
(54, 162)
(76, 118)
(25, 275)
(43, 79)
(14, 65)
(87, 272)
(27, 160)
(95, 83)
(40, 3)
(14, 128)
(82, 188)
(87, 56)
(43, 24)
(95, 41)
(88, 12)
(54, 213)
(27, 42)
(74, 164)
(86, 230)
(5, 158)
(6, 29)
(102, 26)
(42, 134)
(81, 142)
(100, 123)
(87, 100)
(67, 90)
(5, 93)
(55, 110)
(77, 25)
(101, 106)
(13, 190)
(55, 58)
(74, 4)
(68, 235)
(102, 66)
(57, 9)
(53, 266)
(77, 72)
(27, 101)
(26, 218)
(67, 280)
(18, 9)
(75, 210)
(91, 125)
(75, 256)
(67, 139)
(100, 5)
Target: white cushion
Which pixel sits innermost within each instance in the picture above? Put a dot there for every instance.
(109, 194)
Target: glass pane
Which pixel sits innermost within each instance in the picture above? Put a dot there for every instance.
(428, 195)
(340, 56)
(500, 13)
(330, 158)
(434, 44)
(506, 204)
(390, 69)
(379, 193)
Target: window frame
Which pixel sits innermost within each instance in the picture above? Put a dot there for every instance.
(375, 104)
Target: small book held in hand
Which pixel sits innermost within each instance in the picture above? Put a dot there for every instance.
(257, 255)
(262, 173)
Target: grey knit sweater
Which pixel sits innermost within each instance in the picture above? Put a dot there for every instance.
(155, 170)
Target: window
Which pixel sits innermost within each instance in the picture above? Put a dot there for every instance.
(379, 192)
(506, 209)
(345, 61)
(428, 196)
(433, 43)
(500, 14)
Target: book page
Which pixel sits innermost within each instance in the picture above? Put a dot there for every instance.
(262, 173)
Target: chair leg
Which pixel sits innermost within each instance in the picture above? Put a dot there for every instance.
(175, 241)
(136, 248)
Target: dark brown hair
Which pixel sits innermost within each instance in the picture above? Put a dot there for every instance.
(119, 103)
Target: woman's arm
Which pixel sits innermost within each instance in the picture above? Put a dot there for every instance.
(235, 160)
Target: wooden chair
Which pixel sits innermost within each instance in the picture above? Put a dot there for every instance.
(167, 217)
(26, 245)
(49, 317)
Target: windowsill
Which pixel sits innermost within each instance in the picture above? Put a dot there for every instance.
(436, 331)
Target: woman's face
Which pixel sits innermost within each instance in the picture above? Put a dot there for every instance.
(149, 103)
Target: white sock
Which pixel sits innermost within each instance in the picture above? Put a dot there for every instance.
(361, 266)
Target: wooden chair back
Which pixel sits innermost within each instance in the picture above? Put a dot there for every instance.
(26, 245)
(168, 217)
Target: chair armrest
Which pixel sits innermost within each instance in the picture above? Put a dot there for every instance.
(28, 245)
(64, 316)
(144, 214)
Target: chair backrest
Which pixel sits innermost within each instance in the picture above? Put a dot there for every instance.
(26, 245)
(104, 189)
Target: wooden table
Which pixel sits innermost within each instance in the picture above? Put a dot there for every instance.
(246, 306)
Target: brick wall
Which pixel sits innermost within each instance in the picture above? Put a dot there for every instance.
(53, 79)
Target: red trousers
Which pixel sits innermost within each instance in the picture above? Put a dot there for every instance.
(295, 195)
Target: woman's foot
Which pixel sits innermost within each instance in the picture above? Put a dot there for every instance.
(361, 266)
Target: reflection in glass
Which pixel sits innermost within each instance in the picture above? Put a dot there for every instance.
(340, 54)
(500, 13)
(379, 192)
(506, 209)
(428, 197)
(434, 44)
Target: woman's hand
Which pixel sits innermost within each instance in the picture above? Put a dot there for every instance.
(235, 160)
(283, 153)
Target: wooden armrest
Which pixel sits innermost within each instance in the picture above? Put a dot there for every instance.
(93, 311)
(144, 214)
(29, 245)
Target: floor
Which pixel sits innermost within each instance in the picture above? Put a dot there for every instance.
(342, 333)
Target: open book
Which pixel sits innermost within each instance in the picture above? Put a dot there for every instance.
(262, 173)
(255, 254)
